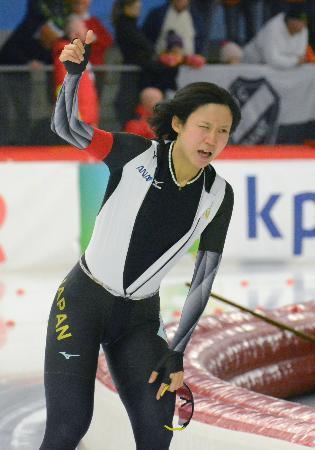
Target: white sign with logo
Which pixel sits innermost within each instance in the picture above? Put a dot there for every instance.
(271, 101)
(274, 209)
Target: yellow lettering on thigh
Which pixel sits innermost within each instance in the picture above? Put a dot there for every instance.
(61, 304)
(60, 318)
(60, 291)
(62, 330)
(62, 334)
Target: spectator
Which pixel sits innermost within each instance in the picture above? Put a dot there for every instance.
(310, 55)
(205, 10)
(282, 42)
(23, 47)
(230, 53)
(233, 11)
(176, 15)
(149, 97)
(273, 7)
(174, 54)
(87, 94)
(137, 50)
(103, 39)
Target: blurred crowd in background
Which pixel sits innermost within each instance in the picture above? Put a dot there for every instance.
(150, 52)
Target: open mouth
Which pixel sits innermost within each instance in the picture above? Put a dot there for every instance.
(205, 154)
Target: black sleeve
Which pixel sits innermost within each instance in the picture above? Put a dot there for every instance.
(126, 146)
(213, 237)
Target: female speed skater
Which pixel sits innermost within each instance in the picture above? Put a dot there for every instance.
(162, 195)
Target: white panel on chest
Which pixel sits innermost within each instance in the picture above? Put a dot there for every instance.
(137, 178)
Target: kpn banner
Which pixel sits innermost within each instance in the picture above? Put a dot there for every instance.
(39, 215)
(274, 209)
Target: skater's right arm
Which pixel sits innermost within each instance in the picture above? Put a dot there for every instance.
(115, 149)
(65, 120)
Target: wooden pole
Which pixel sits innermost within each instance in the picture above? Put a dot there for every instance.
(276, 323)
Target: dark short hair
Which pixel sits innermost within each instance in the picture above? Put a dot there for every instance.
(296, 11)
(186, 101)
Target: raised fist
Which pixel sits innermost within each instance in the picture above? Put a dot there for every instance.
(74, 51)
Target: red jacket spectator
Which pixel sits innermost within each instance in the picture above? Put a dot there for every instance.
(140, 125)
(310, 55)
(103, 41)
(149, 97)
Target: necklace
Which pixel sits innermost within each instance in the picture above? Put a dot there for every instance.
(172, 173)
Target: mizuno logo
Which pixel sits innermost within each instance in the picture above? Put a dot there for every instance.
(66, 355)
(157, 183)
(144, 173)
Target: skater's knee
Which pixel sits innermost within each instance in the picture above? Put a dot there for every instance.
(66, 433)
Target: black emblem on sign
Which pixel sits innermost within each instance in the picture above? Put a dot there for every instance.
(260, 105)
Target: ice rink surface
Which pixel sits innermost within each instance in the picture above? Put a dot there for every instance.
(25, 300)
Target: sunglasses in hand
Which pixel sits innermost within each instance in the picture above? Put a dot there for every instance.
(184, 407)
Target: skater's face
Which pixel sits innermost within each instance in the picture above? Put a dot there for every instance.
(204, 134)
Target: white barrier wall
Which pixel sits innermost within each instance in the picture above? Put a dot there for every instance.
(274, 209)
(39, 215)
(273, 218)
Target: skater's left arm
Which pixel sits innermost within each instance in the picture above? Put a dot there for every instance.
(207, 263)
(206, 266)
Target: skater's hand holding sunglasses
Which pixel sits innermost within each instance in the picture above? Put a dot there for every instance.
(184, 407)
(170, 369)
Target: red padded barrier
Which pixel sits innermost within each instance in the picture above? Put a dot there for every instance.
(251, 355)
